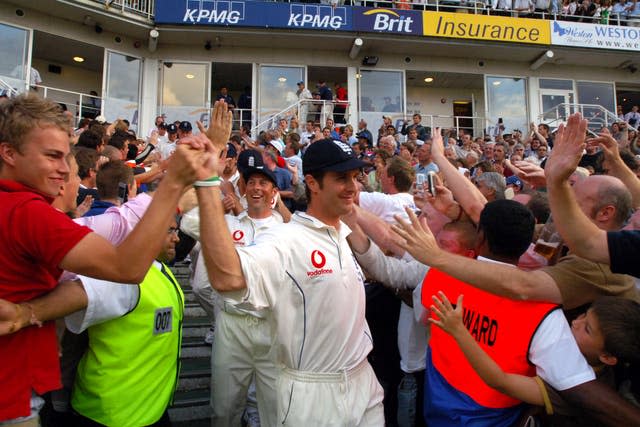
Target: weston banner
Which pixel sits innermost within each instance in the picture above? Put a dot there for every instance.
(394, 21)
(595, 36)
(253, 14)
(482, 27)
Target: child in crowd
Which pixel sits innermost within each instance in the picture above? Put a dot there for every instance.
(608, 335)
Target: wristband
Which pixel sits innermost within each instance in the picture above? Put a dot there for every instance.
(213, 181)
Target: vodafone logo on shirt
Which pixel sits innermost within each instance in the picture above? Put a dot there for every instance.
(237, 236)
(318, 260)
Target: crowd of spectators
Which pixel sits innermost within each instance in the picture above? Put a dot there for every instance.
(388, 225)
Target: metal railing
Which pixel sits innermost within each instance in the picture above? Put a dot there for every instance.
(7, 89)
(303, 110)
(79, 104)
(597, 115)
(144, 8)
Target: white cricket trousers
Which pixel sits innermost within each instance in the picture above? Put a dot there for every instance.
(242, 349)
(345, 399)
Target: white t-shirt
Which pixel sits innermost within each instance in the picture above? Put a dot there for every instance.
(385, 206)
(305, 273)
(413, 335)
(555, 353)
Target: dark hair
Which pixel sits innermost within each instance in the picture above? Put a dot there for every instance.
(619, 320)
(318, 176)
(539, 206)
(508, 227)
(89, 139)
(110, 175)
(87, 158)
(402, 172)
(119, 139)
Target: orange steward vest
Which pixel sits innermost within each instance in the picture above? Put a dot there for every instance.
(503, 328)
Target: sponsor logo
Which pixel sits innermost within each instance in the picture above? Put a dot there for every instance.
(318, 260)
(598, 36)
(480, 27)
(344, 147)
(571, 31)
(216, 12)
(312, 16)
(237, 235)
(388, 20)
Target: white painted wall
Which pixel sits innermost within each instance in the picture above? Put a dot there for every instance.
(428, 101)
(71, 78)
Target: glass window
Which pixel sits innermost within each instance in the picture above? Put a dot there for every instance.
(381, 92)
(185, 88)
(278, 86)
(602, 94)
(556, 84)
(13, 51)
(507, 100)
(122, 99)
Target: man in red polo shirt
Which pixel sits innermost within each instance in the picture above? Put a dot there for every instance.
(39, 242)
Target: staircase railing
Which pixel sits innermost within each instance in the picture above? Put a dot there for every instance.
(596, 114)
(312, 109)
(7, 89)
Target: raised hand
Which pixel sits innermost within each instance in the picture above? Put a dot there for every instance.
(609, 145)
(220, 125)
(449, 318)
(567, 149)
(437, 144)
(531, 173)
(417, 238)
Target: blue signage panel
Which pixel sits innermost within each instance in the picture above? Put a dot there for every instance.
(394, 21)
(253, 14)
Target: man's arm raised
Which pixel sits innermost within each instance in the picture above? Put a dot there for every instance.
(469, 197)
(582, 236)
(498, 279)
(128, 263)
(220, 257)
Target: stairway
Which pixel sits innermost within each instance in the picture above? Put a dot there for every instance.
(191, 401)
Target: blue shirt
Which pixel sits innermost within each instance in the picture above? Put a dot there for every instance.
(98, 207)
(283, 178)
(431, 167)
(444, 406)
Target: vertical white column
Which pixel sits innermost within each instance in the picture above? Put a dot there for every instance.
(148, 95)
(352, 88)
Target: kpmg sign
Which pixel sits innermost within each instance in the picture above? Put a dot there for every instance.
(394, 21)
(253, 14)
(595, 36)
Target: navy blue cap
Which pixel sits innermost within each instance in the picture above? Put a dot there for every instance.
(250, 162)
(185, 126)
(330, 155)
(171, 128)
(231, 151)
